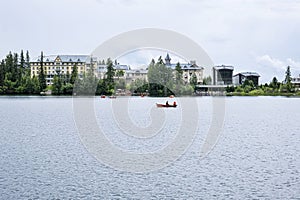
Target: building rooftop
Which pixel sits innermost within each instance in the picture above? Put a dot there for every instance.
(185, 66)
(121, 67)
(65, 58)
(219, 67)
(137, 71)
(248, 74)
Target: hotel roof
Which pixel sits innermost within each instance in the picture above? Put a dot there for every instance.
(65, 58)
(248, 74)
(186, 66)
(223, 67)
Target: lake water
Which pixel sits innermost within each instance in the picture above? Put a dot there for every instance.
(257, 155)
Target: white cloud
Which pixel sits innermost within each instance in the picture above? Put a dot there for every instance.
(271, 67)
(230, 31)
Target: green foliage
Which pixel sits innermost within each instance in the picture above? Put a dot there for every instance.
(110, 74)
(42, 77)
(74, 74)
(256, 92)
(288, 79)
(67, 89)
(160, 79)
(207, 80)
(194, 81)
(229, 89)
(178, 74)
(275, 84)
(57, 85)
(139, 86)
(102, 88)
(120, 84)
(120, 73)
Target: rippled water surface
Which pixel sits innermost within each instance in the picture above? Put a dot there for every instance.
(257, 155)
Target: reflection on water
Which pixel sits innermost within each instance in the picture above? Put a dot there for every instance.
(257, 156)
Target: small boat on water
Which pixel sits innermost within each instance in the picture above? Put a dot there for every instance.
(159, 105)
(112, 97)
(102, 96)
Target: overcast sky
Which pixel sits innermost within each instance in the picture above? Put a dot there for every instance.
(257, 35)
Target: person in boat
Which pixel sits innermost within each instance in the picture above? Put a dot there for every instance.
(174, 104)
(167, 103)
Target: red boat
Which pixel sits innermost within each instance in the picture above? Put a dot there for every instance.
(159, 105)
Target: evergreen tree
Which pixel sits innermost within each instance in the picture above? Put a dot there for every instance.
(16, 75)
(194, 81)
(288, 76)
(36, 85)
(288, 80)
(110, 73)
(110, 77)
(2, 72)
(22, 60)
(74, 74)
(57, 85)
(178, 73)
(27, 63)
(9, 63)
(22, 66)
(160, 79)
(207, 80)
(42, 78)
(275, 84)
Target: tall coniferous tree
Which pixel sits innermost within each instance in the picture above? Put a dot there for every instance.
(22, 60)
(27, 63)
(74, 74)
(15, 70)
(178, 73)
(22, 66)
(42, 78)
(2, 73)
(288, 79)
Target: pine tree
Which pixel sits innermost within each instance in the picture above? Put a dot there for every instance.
(110, 73)
(2, 72)
(42, 78)
(27, 64)
(57, 85)
(22, 60)
(288, 79)
(288, 76)
(179, 72)
(74, 74)
(16, 76)
(193, 81)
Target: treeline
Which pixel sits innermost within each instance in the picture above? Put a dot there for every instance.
(15, 78)
(164, 81)
(15, 75)
(274, 88)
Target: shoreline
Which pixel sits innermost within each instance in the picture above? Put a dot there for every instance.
(126, 96)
